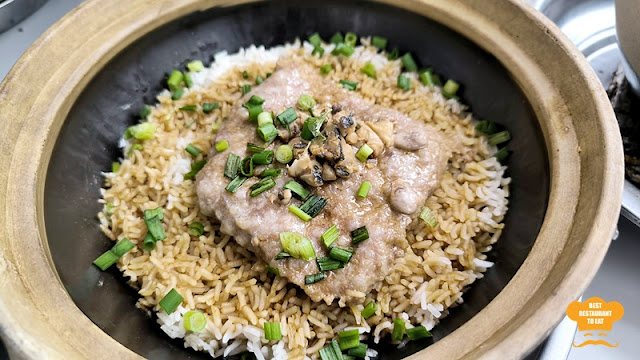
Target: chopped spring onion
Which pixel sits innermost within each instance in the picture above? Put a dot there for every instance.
(359, 235)
(235, 184)
(398, 330)
(194, 321)
(232, 166)
(499, 138)
(394, 54)
(222, 145)
(312, 279)
(331, 352)
(189, 123)
(264, 118)
(337, 38)
(369, 70)
(135, 147)
(170, 302)
(188, 82)
(342, 254)
(174, 80)
(404, 83)
(330, 235)
(287, 117)
(253, 148)
(153, 219)
(427, 216)
(426, 77)
(364, 189)
(311, 127)
(189, 108)
(349, 85)
(327, 264)
(196, 166)
(268, 75)
(272, 331)
(195, 66)
(315, 39)
(263, 158)
(359, 351)
(245, 74)
(209, 107)
(314, 205)
(284, 154)
(154, 213)
(273, 270)
(112, 255)
(246, 89)
(325, 69)
(450, 88)
(306, 102)
(487, 127)
(196, 228)
(318, 50)
(349, 339)
(115, 167)
(259, 80)
(282, 255)
(267, 132)
(436, 80)
(261, 186)
(379, 42)
(246, 166)
(369, 310)
(142, 131)
(364, 152)
(350, 39)
(271, 172)
(148, 243)
(193, 150)
(343, 49)
(501, 154)
(299, 213)
(215, 127)
(408, 62)
(145, 111)
(297, 245)
(108, 209)
(348, 357)
(418, 332)
(298, 189)
(177, 93)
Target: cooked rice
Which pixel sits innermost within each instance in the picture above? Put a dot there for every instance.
(230, 285)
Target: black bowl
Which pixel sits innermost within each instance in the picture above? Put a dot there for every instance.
(87, 145)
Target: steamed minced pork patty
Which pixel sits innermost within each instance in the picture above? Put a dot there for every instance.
(402, 175)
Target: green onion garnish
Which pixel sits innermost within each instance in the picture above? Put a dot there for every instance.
(148, 243)
(271, 172)
(314, 205)
(196, 166)
(177, 94)
(325, 69)
(267, 132)
(349, 339)
(342, 254)
(312, 279)
(216, 126)
(350, 39)
(272, 331)
(253, 148)
(189, 108)
(369, 310)
(499, 138)
(306, 102)
(142, 131)
(235, 184)
(337, 38)
(408, 62)
(194, 321)
(315, 39)
(398, 330)
(330, 235)
(311, 127)
(427, 216)
(153, 220)
(394, 54)
(359, 351)
(501, 154)
(246, 89)
(364, 189)
(426, 77)
(188, 82)
(379, 42)
(170, 302)
(369, 70)
(359, 235)
(450, 88)
(196, 228)
(297, 245)
(273, 270)
(318, 50)
(259, 80)
(108, 209)
(261, 186)
(349, 85)
(348, 357)
(174, 80)
(331, 352)
(268, 75)
(245, 74)
(284, 154)
(264, 118)
(298, 189)
(112, 255)
(154, 213)
(404, 83)
(343, 49)
(282, 255)
(135, 147)
(299, 213)
(327, 264)
(145, 111)
(246, 166)
(436, 80)
(195, 66)
(209, 107)
(364, 152)
(418, 332)
(115, 167)
(222, 145)
(263, 158)
(232, 166)
(287, 117)
(193, 150)
(487, 127)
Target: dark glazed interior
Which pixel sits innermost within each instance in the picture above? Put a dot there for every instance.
(87, 145)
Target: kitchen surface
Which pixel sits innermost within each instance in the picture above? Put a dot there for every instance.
(589, 24)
